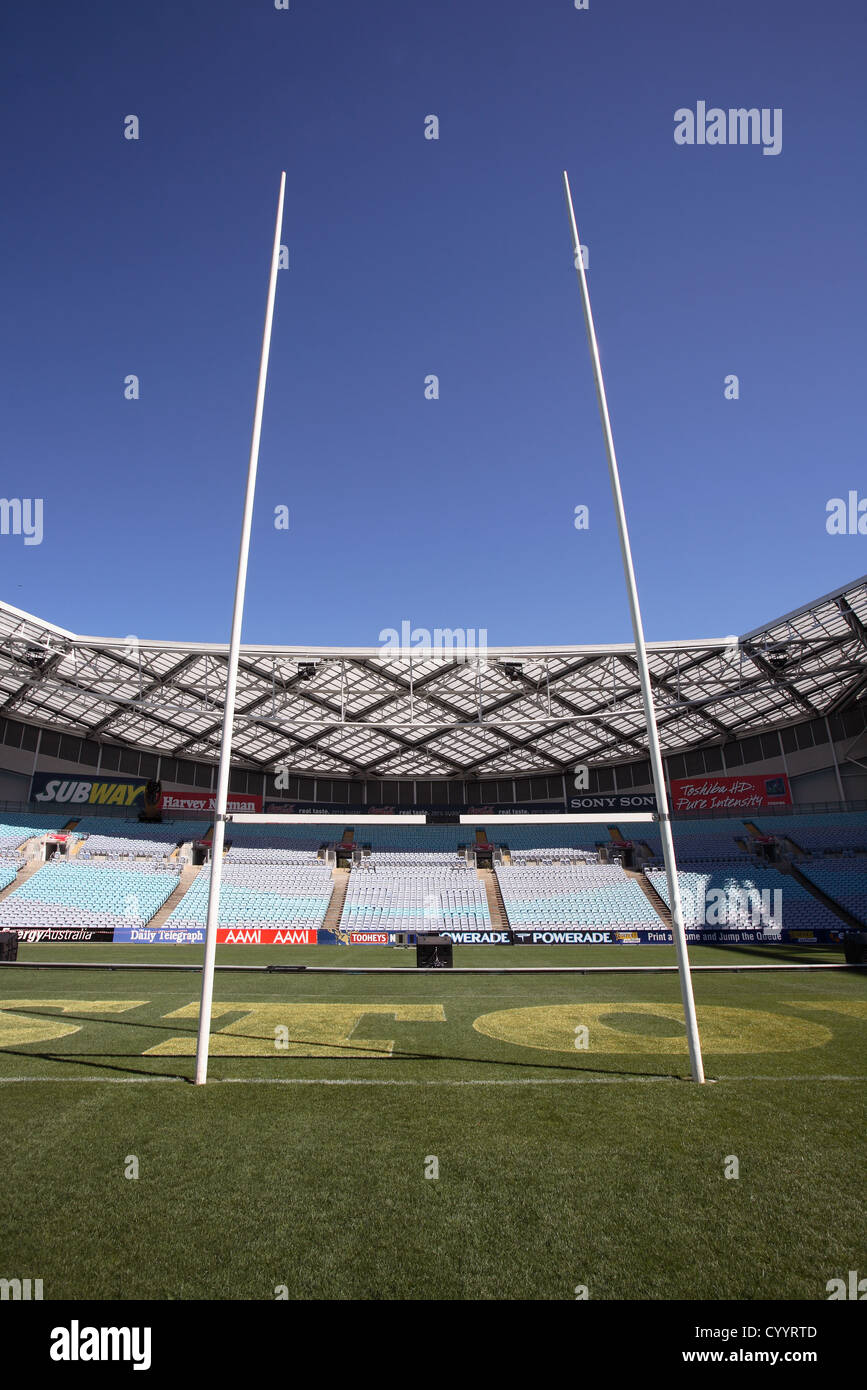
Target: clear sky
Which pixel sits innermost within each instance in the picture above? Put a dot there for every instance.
(409, 257)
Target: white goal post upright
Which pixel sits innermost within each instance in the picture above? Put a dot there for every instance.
(222, 797)
(695, 1058)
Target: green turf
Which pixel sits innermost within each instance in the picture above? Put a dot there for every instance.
(558, 1165)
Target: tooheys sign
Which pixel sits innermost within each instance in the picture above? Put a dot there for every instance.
(52, 790)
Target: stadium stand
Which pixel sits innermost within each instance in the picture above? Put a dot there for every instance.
(122, 838)
(799, 910)
(432, 899)
(406, 839)
(384, 859)
(843, 878)
(277, 854)
(592, 895)
(555, 854)
(302, 837)
(259, 895)
(578, 836)
(843, 830)
(701, 840)
(16, 831)
(8, 872)
(80, 895)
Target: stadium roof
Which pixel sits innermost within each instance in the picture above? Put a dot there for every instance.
(442, 712)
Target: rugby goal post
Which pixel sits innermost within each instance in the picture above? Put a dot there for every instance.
(221, 800)
(222, 797)
(692, 1035)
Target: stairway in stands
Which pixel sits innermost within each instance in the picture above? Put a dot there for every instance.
(23, 874)
(188, 873)
(496, 906)
(340, 879)
(657, 902)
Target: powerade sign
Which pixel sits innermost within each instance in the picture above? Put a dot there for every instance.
(478, 938)
(637, 801)
(51, 790)
(563, 938)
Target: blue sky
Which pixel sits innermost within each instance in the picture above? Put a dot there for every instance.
(410, 257)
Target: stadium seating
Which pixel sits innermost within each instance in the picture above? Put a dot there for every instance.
(8, 872)
(592, 895)
(16, 830)
(555, 854)
(303, 837)
(701, 840)
(278, 854)
(841, 830)
(799, 910)
(69, 894)
(431, 899)
(842, 878)
(409, 838)
(117, 839)
(550, 836)
(413, 859)
(259, 895)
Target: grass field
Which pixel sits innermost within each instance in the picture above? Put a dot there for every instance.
(303, 1165)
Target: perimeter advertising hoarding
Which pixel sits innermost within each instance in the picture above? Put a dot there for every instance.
(754, 793)
(641, 936)
(226, 936)
(536, 936)
(32, 936)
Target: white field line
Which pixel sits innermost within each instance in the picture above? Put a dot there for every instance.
(384, 1081)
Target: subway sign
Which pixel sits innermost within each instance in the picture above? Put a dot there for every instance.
(51, 790)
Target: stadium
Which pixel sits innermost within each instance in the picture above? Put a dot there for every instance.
(498, 801)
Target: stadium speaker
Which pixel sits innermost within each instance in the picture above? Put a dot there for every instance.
(434, 953)
(8, 945)
(153, 794)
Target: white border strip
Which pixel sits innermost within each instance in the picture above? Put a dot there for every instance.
(348, 819)
(597, 818)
